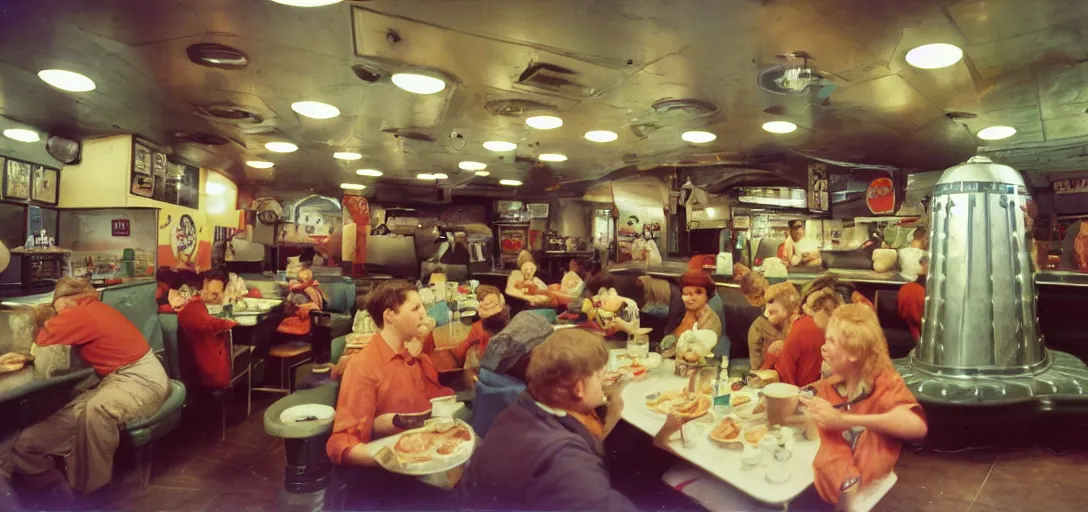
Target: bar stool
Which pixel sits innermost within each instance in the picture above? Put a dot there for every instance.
(241, 359)
(291, 355)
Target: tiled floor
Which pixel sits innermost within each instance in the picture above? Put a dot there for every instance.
(244, 473)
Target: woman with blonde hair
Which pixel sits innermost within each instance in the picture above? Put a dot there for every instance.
(523, 283)
(766, 334)
(799, 361)
(863, 409)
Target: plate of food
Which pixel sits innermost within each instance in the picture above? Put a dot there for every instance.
(754, 432)
(727, 430)
(755, 407)
(741, 400)
(691, 405)
(622, 358)
(439, 446)
(660, 402)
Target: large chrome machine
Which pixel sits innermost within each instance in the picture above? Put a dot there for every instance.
(980, 342)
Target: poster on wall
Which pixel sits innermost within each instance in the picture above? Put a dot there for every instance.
(158, 170)
(154, 176)
(880, 196)
(45, 182)
(819, 195)
(185, 240)
(141, 160)
(17, 180)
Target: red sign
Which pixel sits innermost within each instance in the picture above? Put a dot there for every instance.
(121, 227)
(880, 197)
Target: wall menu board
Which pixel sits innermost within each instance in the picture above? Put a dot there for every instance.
(154, 176)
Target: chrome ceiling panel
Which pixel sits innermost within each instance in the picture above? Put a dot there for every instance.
(597, 65)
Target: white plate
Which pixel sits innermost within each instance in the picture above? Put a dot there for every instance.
(429, 468)
(651, 361)
(320, 412)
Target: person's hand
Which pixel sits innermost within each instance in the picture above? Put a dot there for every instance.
(42, 313)
(823, 414)
(414, 347)
(427, 325)
(775, 347)
(410, 421)
(672, 425)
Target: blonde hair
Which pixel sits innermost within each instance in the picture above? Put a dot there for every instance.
(656, 290)
(73, 286)
(858, 331)
(566, 357)
(754, 287)
(525, 257)
(787, 296)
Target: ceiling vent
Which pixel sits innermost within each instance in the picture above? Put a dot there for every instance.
(795, 79)
(218, 56)
(553, 79)
(410, 135)
(202, 138)
(232, 114)
(366, 73)
(956, 115)
(682, 108)
(516, 107)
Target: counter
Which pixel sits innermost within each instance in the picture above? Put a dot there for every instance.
(21, 383)
(47, 297)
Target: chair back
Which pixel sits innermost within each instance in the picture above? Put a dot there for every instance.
(494, 393)
(137, 303)
(168, 322)
(723, 347)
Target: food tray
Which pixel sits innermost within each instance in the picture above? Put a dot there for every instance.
(389, 462)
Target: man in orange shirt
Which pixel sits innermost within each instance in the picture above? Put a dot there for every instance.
(86, 432)
(863, 408)
(494, 316)
(204, 333)
(386, 389)
(912, 300)
(797, 360)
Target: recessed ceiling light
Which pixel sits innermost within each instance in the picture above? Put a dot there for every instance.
(483, 173)
(307, 3)
(346, 155)
(601, 136)
(499, 146)
(510, 183)
(352, 186)
(66, 80)
(315, 109)
(418, 84)
(260, 164)
(698, 137)
(544, 122)
(441, 176)
(373, 173)
(934, 56)
(215, 189)
(779, 126)
(552, 157)
(468, 165)
(281, 147)
(426, 176)
(989, 133)
(22, 135)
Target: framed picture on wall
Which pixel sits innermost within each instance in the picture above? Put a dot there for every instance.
(17, 180)
(44, 185)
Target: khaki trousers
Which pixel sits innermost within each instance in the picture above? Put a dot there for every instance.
(86, 431)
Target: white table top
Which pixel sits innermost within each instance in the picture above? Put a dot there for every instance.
(715, 458)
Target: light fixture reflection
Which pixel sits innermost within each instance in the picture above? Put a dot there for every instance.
(601, 136)
(418, 84)
(281, 147)
(215, 189)
(499, 146)
(315, 109)
(441, 176)
(22, 135)
(698, 137)
(996, 132)
(483, 173)
(352, 186)
(346, 155)
(510, 183)
(425, 176)
(373, 173)
(552, 157)
(779, 127)
(307, 3)
(468, 165)
(260, 164)
(934, 56)
(66, 80)
(544, 122)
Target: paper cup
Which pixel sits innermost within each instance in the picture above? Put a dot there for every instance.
(782, 402)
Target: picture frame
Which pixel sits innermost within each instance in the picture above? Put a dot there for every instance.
(45, 185)
(17, 180)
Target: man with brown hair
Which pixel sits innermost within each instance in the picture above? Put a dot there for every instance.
(545, 451)
(86, 432)
(494, 316)
(799, 360)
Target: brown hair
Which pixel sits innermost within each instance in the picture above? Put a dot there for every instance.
(525, 257)
(754, 287)
(920, 234)
(655, 290)
(485, 290)
(858, 331)
(699, 279)
(824, 299)
(73, 286)
(387, 295)
(566, 357)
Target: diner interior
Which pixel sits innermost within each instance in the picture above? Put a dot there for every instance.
(241, 183)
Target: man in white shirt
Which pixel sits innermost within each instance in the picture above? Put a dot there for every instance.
(801, 251)
(910, 257)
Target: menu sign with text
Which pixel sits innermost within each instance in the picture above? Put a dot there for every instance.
(1071, 186)
(120, 227)
(154, 176)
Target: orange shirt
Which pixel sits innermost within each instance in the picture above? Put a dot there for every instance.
(379, 381)
(477, 337)
(105, 339)
(875, 454)
(912, 304)
(205, 340)
(799, 361)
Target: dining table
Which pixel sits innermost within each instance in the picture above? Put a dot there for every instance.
(722, 461)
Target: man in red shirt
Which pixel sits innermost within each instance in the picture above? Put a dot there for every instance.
(205, 334)
(798, 361)
(912, 300)
(386, 389)
(86, 432)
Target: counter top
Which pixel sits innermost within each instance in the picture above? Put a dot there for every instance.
(18, 384)
(43, 298)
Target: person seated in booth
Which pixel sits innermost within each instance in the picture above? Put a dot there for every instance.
(782, 303)
(606, 310)
(910, 257)
(570, 288)
(798, 251)
(524, 285)
(797, 359)
(304, 295)
(696, 289)
(911, 301)
(494, 317)
(210, 353)
(386, 389)
(863, 409)
(86, 432)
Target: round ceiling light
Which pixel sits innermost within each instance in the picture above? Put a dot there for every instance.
(315, 109)
(499, 146)
(426, 176)
(934, 56)
(441, 176)
(510, 183)
(779, 126)
(544, 122)
(418, 84)
(260, 164)
(483, 173)
(373, 173)
(468, 165)
(215, 189)
(22, 135)
(988, 133)
(307, 3)
(601, 136)
(552, 157)
(352, 186)
(698, 137)
(346, 155)
(281, 147)
(66, 80)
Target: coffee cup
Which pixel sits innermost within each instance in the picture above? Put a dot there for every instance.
(782, 400)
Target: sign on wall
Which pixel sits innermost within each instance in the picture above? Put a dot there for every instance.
(120, 227)
(1072, 186)
(819, 195)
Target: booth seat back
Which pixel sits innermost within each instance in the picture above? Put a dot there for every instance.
(137, 303)
(494, 393)
(341, 296)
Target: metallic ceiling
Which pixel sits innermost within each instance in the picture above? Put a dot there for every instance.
(1024, 66)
